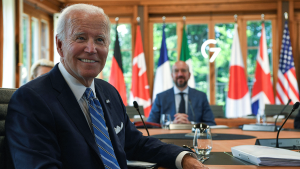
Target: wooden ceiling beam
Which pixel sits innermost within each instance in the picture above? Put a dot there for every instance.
(51, 6)
(197, 2)
(213, 8)
(105, 2)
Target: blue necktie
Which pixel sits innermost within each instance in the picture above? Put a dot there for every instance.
(100, 130)
(182, 104)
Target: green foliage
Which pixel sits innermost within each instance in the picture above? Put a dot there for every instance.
(197, 35)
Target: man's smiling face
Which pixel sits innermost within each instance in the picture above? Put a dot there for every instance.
(85, 48)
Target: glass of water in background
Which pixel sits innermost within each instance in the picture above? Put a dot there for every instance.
(202, 141)
(165, 121)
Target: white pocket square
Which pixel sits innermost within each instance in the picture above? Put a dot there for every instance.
(118, 128)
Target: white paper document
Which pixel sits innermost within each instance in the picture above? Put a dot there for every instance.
(140, 164)
(266, 156)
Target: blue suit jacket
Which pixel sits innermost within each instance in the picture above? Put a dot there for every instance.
(165, 104)
(46, 128)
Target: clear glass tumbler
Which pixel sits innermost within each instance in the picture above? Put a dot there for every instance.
(165, 121)
(202, 140)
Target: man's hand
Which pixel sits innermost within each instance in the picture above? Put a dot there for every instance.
(189, 162)
(181, 118)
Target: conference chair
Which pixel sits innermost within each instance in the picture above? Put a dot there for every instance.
(131, 111)
(5, 159)
(217, 111)
(273, 109)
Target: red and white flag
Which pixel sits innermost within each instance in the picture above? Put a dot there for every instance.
(238, 98)
(287, 86)
(139, 85)
(262, 92)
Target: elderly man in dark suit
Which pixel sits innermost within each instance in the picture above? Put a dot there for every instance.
(68, 119)
(184, 104)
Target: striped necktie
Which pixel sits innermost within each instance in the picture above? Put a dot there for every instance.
(100, 130)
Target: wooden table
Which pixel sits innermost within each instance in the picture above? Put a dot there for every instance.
(236, 122)
(225, 145)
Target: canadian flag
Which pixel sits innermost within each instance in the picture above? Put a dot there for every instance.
(238, 98)
(139, 84)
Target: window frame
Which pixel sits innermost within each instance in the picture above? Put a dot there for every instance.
(211, 21)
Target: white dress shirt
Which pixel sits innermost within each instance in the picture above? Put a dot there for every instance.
(78, 90)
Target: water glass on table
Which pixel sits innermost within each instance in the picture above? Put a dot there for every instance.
(202, 141)
(165, 121)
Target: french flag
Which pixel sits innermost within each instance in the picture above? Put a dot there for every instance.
(163, 79)
(262, 92)
(238, 98)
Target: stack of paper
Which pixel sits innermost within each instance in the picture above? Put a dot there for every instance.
(140, 164)
(267, 156)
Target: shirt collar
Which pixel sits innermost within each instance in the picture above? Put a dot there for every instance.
(77, 88)
(177, 91)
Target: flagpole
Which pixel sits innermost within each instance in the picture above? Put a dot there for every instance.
(235, 18)
(117, 21)
(138, 19)
(263, 18)
(286, 16)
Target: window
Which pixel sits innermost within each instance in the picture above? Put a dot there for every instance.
(124, 32)
(197, 34)
(24, 70)
(34, 40)
(224, 36)
(44, 40)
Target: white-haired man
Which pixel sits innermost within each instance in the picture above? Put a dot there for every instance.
(69, 119)
(41, 67)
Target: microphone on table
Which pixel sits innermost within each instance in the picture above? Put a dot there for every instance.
(281, 112)
(136, 106)
(190, 104)
(295, 106)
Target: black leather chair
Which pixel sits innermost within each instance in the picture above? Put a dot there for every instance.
(131, 111)
(217, 111)
(5, 159)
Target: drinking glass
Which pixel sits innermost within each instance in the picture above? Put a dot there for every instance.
(202, 140)
(165, 121)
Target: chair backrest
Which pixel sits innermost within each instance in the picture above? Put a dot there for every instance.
(273, 109)
(217, 111)
(5, 95)
(131, 111)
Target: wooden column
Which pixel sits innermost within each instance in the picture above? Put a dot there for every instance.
(148, 50)
(133, 28)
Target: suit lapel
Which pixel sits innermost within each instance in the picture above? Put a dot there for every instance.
(71, 106)
(171, 102)
(192, 99)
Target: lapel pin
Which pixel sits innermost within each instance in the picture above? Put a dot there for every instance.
(107, 101)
